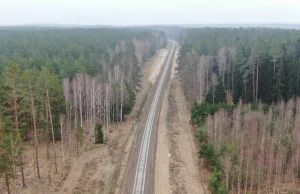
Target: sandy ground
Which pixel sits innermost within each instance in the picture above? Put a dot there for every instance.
(181, 173)
(162, 175)
(98, 170)
(94, 170)
(158, 61)
(49, 179)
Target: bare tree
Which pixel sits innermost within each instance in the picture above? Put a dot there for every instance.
(80, 87)
(34, 128)
(232, 55)
(51, 120)
(61, 122)
(122, 96)
(69, 104)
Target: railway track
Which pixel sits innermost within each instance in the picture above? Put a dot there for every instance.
(141, 168)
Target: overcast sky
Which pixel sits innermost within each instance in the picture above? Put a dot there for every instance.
(145, 12)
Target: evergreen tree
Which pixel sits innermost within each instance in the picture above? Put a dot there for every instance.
(6, 159)
(217, 95)
(28, 93)
(100, 135)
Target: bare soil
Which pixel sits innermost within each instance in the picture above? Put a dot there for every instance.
(162, 175)
(157, 62)
(97, 169)
(181, 173)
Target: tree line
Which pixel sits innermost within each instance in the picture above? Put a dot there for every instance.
(66, 84)
(251, 64)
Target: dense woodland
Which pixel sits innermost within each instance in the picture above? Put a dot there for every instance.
(66, 84)
(252, 64)
(245, 82)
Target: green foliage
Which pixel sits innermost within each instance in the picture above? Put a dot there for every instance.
(46, 78)
(200, 112)
(219, 96)
(213, 159)
(8, 151)
(79, 136)
(210, 155)
(66, 52)
(287, 139)
(6, 158)
(201, 135)
(99, 132)
(207, 152)
(127, 108)
(216, 186)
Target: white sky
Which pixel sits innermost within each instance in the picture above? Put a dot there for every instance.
(145, 12)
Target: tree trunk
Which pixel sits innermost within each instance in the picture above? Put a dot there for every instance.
(232, 76)
(22, 171)
(245, 92)
(7, 182)
(51, 123)
(80, 108)
(256, 93)
(240, 164)
(200, 83)
(16, 113)
(69, 130)
(207, 72)
(121, 105)
(274, 70)
(35, 132)
(13, 153)
(17, 126)
(253, 85)
(47, 132)
(62, 139)
(247, 173)
(213, 84)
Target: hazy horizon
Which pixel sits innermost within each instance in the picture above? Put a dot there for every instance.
(155, 12)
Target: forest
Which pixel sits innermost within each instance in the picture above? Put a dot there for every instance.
(244, 83)
(252, 64)
(66, 84)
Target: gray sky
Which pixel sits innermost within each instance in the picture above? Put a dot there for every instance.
(142, 12)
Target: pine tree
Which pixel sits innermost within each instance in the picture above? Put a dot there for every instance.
(50, 97)
(28, 93)
(100, 135)
(12, 82)
(6, 159)
(216, 95)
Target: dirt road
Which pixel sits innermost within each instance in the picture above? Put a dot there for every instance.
(177, 166)
(141, 165)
